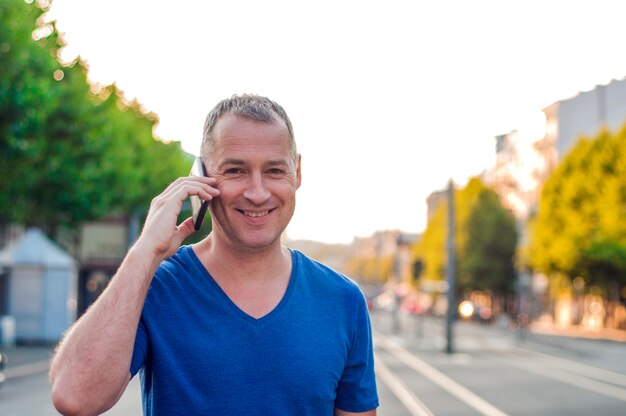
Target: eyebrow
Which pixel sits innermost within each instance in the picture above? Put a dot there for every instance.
(231, 162)
(278, 162)
(240, 162)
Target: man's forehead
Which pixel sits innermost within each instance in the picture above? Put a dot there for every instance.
(251, 147)
(232, 121)
(238, 161)
(240, 151)
(250, 141)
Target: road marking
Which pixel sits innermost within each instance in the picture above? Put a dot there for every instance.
(578, 368)
(569, 378)
(438, 377)
(559, 363)
(400, 390)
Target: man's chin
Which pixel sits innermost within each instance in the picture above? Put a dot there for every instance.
(257, 244)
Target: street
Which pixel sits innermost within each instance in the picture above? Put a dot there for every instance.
(30, 396)
(494, 372)
(491, 372)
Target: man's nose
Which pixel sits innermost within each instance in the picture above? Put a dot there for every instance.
(256, 189)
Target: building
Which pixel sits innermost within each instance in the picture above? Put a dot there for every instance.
(103, 247)
(388, 251)
(432, 202)
(516, 174)
(582, 115)
(523, 166)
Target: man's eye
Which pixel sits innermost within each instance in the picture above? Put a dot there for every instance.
(276, 171)
(233, 171)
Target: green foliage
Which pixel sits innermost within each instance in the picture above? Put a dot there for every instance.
(26, 77)
(67, 154)
(603, 262)
(490, 247)
(485, 240)
(580, 228)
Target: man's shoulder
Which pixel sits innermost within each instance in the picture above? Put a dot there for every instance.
(322, 273)
(180, 257)
(176, 277)
(180, 264)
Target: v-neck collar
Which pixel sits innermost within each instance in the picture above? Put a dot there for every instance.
(238, 311)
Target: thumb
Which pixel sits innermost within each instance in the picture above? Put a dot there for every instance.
(184, 230)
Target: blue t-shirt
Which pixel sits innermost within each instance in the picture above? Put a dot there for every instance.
(199, 354)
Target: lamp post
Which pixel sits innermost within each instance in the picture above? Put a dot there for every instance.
(450, 270)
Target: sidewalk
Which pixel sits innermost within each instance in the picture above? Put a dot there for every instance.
(25, 360)
(575, 331)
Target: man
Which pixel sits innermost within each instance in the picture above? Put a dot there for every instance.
(234, 325)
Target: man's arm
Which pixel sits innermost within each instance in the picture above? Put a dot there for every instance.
(91, 367)
(339, 412)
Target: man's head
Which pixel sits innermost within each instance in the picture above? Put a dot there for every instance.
(254, 107)
(248, 148)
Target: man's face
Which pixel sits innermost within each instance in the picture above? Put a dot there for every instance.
(257, 178)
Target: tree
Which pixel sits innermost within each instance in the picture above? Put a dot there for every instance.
(485, 238)
(65, 166)
(580, 229)
(429, 251)
(489, 251)
(26, 79)
(69, 154)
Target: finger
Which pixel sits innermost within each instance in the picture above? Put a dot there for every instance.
(183, 189)
(187, 179)
(203, 191)
(206, 179)
(208, 183)
(184, 230)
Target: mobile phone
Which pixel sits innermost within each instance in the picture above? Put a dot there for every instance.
(198, 206)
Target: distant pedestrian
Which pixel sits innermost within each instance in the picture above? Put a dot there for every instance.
(234, 325)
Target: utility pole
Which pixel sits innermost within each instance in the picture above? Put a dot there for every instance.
(450, 270)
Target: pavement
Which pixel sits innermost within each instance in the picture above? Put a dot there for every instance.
(25, 360)
(576, 331)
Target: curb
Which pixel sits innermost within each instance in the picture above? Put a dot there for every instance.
(26, 370)
(604, 334)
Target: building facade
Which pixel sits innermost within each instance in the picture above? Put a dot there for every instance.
(523, 166)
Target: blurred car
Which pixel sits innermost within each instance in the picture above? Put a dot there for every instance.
(412, 306)
(468, 310)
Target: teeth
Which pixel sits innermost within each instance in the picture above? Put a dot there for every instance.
(255, 214)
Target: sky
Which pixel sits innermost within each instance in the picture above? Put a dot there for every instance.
(389, 99)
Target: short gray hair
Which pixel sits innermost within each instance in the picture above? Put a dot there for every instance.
(254, 107)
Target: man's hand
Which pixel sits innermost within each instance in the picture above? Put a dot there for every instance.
(160, 233)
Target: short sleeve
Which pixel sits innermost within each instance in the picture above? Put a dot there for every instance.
(140, 350)
(356, 391)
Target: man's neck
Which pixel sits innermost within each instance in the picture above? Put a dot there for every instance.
(225, 261)
(254, 281)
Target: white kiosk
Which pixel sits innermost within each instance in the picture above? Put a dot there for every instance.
(41, 288)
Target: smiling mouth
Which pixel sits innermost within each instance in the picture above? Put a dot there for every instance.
(255, 214)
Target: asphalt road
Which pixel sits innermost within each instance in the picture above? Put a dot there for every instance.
(491, 372)
(30, 396)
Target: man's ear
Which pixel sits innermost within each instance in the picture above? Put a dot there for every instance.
(298, 172)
